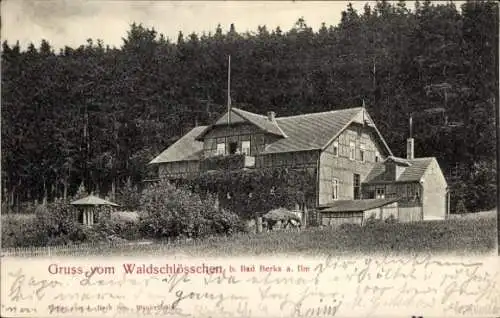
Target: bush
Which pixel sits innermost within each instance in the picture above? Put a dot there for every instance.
(349, 227)
(372, 221)
(129, 196)
(101, 232)
(22, 232)
(391, 219)
(125, 225)
(57, 221)
(170, 212)
(55, 224)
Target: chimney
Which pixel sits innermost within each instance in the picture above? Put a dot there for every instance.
(410, 148)
(271, 116)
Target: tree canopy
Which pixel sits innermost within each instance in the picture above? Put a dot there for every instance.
(97, 115)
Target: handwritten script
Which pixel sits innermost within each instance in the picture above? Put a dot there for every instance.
(327, 287)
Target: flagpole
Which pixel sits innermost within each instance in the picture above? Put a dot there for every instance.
(229, 91)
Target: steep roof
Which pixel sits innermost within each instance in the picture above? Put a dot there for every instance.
(311, 131)
(92, 200)
(356, 205)
(261, 121)
(240, 116)
(412, 173)
(184, 149)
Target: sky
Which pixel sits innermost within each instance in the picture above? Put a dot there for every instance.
(72, 22)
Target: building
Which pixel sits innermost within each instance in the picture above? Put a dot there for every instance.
(357, 173)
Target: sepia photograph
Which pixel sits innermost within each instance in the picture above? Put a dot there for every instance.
(296, 144)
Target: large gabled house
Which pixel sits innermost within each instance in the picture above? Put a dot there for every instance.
(357, 173)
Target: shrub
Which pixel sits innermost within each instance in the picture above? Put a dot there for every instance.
(129, 196)
(126, 225)
(55, 224)
(99, 233)
(170, 212)
(372, 221)
(349, 227)
(22, 232)
(225, 222)
(391, 219)
(57, 221)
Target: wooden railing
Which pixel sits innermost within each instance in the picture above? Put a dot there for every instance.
(227, 162)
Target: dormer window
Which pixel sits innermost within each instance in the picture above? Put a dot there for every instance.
(394, 167)
(377, 156)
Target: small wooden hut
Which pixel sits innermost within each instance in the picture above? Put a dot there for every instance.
(88, 208)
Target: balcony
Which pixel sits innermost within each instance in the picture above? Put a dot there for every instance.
(227, 162)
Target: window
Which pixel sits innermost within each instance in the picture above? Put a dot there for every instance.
(352, 150)
(356, 186)
(417, 194)
(413, 192)
(362, 153)
(380, 193)
(245, 147)
(377, 156)
(336, 148)
(408, 192)
(335, 188)
(221, 149)
(233, 146)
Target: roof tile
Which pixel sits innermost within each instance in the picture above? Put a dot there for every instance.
(414, 172)
(311, 131)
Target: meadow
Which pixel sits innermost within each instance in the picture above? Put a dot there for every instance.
(457, 236)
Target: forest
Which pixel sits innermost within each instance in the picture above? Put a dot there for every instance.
(96, 115)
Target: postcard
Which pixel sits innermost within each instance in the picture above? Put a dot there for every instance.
(249, 159)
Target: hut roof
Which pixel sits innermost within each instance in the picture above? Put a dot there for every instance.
(280, 214)
(92, 200)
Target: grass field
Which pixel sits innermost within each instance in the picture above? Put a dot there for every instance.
(462, 236)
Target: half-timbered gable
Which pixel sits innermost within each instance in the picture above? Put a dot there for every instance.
(240, 132)
(346, 162)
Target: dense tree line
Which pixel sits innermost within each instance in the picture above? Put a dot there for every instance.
(97, 115)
